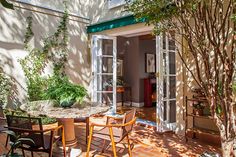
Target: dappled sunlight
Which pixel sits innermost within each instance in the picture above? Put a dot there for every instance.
(146, 142)
(170, 144)
(12, 30)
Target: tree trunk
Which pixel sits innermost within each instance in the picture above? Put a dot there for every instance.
(227, 148)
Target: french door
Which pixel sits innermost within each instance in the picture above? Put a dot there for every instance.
(104, 70)
(166, 82)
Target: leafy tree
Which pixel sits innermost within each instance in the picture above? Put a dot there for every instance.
(6, 4)
(207, 29)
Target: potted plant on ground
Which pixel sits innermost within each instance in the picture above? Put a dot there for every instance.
(16, 141)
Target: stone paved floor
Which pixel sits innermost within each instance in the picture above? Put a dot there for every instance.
(146, 142)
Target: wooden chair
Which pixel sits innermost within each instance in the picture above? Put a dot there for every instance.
(29, 127)
(86, 121)
(114, 132)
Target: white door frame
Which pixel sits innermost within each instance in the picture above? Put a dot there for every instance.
(162, 123)
(97, 51)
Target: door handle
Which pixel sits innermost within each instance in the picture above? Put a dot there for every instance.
(157, 74)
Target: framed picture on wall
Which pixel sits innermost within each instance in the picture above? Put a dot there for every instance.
(150, 63)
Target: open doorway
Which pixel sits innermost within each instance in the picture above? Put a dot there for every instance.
(136, 68)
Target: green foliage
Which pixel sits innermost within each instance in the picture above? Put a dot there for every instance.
(6, 4)
(29, 33)
(16, 141)
(199, 106)
(64, 92)
(160, 13)
(54, 50)
(234, 87)
(5, 86)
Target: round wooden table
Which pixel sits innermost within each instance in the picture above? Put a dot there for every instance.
(65, 116)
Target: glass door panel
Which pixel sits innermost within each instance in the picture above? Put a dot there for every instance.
(104, 70)
(166, 68)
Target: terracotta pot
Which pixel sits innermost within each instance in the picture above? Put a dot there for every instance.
(198, 112)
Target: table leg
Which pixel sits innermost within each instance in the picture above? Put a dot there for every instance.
(70, 139)
(69, 127)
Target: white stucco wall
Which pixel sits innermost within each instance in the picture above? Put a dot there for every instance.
(12, 29)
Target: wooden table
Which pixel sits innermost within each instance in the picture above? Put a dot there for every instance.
(122, 90)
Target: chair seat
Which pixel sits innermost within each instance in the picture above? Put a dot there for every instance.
(104, 134)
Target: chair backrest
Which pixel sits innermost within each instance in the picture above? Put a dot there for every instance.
(128, 116)
(25, 127)
(24, 122)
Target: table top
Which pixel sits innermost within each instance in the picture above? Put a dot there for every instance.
(47, 108)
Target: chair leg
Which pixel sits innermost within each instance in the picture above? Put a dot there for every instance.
(129, 147)
(87, 129)
(32, 154)
(7, 141)
(103, 146)
(23, 152)
(112, 142)
(90, 140)
(50, 153)
(63, 142)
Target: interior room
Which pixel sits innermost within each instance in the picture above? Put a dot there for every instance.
(136, 67)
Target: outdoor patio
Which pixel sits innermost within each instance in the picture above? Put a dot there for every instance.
(146, 143)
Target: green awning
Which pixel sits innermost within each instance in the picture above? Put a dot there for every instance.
(115, 23)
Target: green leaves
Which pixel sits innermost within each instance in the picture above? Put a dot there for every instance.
(54, 50)
(5, 86)
(234, 87)
(155, 11)
(16, 141)
(7, 4)
(63, 91)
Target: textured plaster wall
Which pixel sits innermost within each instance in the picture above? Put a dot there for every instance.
(12, 29)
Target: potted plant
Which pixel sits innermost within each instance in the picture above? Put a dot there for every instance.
(64, 92)
(198, 108)
(16, 141)
(119, 83)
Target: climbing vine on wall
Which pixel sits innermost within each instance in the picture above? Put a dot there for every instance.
(54, 50)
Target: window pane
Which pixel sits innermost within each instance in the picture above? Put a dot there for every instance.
(164, 41)
(171, 41)
(172, 88)
(164, 87)
(172, 111)
(107, 47)
(105, 98)
(172, 67)
(104, 82)
(165, 110)
(107, 63)
(164, 63)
